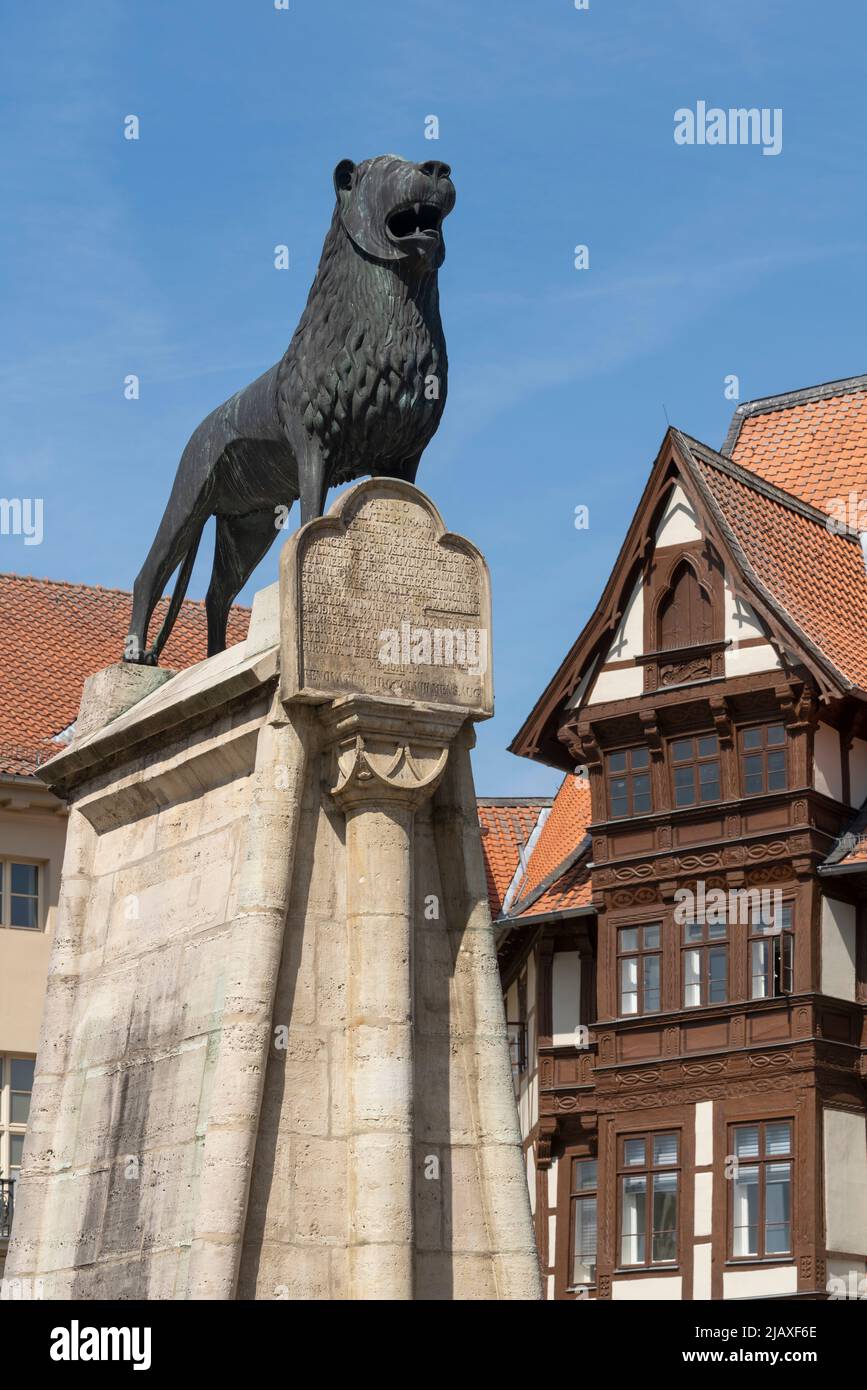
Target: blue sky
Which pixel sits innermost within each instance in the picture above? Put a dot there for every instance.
(155, 257)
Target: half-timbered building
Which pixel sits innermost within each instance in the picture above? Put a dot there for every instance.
(682, 942)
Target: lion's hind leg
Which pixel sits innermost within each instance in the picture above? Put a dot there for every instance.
(172, 546)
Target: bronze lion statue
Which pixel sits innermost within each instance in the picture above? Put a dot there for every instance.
(360, 389)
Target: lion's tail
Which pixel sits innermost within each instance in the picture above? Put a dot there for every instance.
(178, 595)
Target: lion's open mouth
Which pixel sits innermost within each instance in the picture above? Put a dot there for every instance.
(420, 219)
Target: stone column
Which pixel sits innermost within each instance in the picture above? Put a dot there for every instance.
(390, 758)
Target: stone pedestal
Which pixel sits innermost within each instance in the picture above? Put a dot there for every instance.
(274, 1060)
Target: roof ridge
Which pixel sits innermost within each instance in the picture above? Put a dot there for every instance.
(770, 490)
(514, 801)
(784, 400)
(96, 588)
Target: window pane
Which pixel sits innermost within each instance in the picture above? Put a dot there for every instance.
(752, 738)
(715, 930)
(25, 878)
(717, 972)
(681, 751)
(640, 793)
(778, 1211)
(629, 985)
(776, 771)
(16, 1148)
(753, 774)
(651, 937)
(782, 948)
(776, 733)
(19, 1107)
(664, 1217)
(633, 1153)
(633, 1220)
(584, 1242)
(759, 953)
(778, 1138)
(629, 939)
(709, 790)
(693, 931)
(618, 787)
(23, 1069)
(584, 1174)
(617, 762)
(640, 757)
(691, 979)
(745, 1222)
(747, 1141)
(651, 983)
(619, 807)
(664, 1150)
(684, 786)
(23, 912)
(707, 746)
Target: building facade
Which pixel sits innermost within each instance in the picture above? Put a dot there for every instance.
(683, 945)
(56, 635)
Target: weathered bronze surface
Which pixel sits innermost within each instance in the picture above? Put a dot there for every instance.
(360, 389)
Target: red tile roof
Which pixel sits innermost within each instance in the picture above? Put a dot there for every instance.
(812, 443)
(816, 575)
(572, 889)
(553, 866)
(55, 635)
(506, 828)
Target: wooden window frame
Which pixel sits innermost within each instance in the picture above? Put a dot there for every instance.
(761, 1162)
(648, 1171)
(762, 750)
(628, 774)
(640, 953)
(576, 1195)
(696, 761)
(704, 945)
(781, 957)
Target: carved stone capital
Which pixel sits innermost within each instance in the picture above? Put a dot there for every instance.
(385, 754)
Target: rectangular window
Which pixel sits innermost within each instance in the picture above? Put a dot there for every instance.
(583, 1199)
(639, 951)
(517, 1029)
(628, 774)
(761, 1190)
(695, 769)
(705, 963)
(649, 1178)
(763, 759)
(772, 953)
(20, 894)
(16, 1085)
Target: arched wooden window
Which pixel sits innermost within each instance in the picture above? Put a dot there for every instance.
(685, 614)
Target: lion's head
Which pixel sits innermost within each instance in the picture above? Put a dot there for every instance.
(393, 209)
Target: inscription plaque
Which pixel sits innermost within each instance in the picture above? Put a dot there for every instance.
(377, 598)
